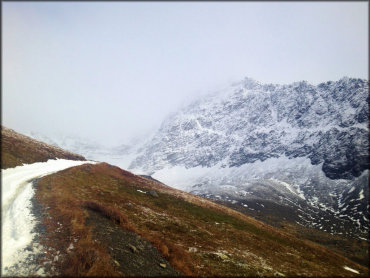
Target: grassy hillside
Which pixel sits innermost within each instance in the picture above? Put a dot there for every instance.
(281, 217)
(196, 236)
(18, 149)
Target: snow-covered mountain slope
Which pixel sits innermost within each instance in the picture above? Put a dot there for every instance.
(304, 143)
(120, 155)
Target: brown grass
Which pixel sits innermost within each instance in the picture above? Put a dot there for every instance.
(173, 222)
(111, 213)
(175, 254)
(86, 258)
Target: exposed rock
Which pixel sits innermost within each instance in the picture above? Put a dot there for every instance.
(221, 255)
(132, 248)
(152, 193)
(70, 247)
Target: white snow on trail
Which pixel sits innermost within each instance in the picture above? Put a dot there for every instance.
(17, 220)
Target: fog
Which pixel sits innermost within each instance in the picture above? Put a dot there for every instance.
(112, 71)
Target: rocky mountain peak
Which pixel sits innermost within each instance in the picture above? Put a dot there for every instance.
(325, 123)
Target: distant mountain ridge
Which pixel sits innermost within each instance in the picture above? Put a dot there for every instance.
(91, 149)
(326, 123)
(18, 149)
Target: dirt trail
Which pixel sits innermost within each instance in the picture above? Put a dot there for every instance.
(133, 255)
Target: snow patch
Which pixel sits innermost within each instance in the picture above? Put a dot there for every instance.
(290, 188)
(351, 269)
(17, 220)
(182, 178)
(362, 196)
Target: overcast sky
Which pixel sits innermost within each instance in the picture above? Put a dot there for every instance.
(113, 70)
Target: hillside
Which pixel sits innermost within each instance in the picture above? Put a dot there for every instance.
(197, 236)
(18, 149)
(100, 220)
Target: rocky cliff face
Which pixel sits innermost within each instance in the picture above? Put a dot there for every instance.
(326, 123)
(313, 138)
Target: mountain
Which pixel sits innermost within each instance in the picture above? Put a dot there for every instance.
(301, 147)
(98, 220)
(75, 144)
(120, 155)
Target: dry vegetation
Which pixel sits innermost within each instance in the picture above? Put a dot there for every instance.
(17, 149)
(354, 249)
(198, 237)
